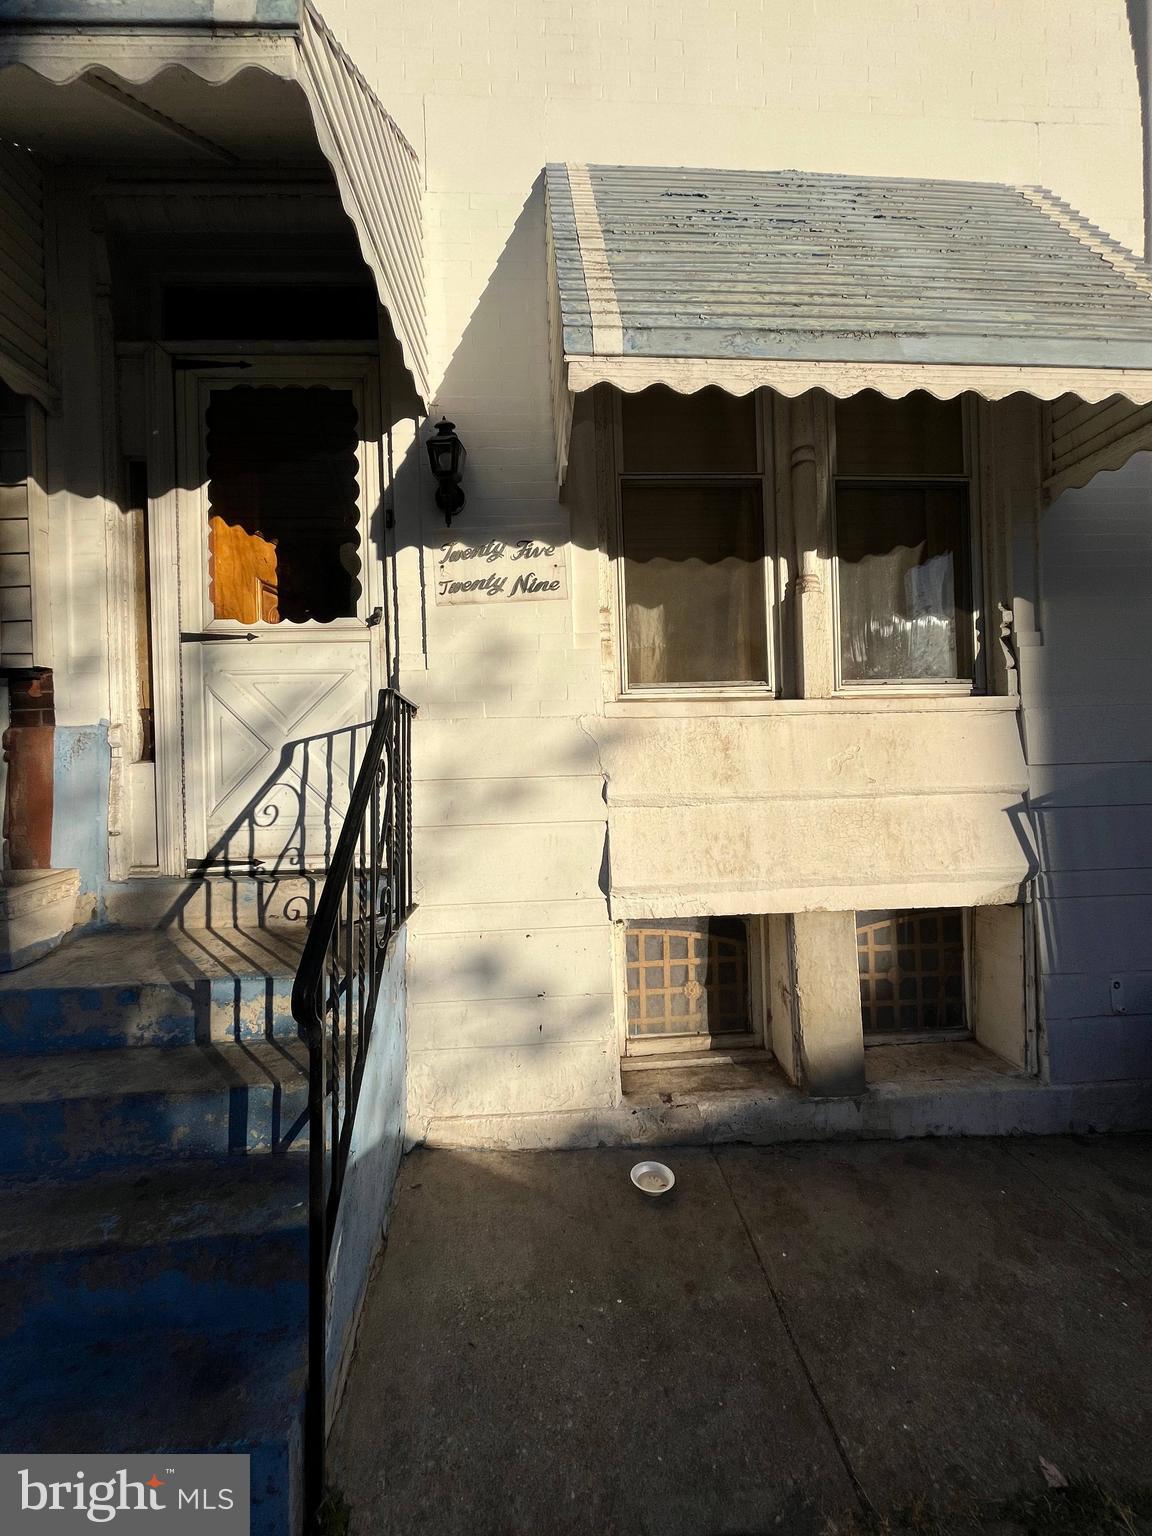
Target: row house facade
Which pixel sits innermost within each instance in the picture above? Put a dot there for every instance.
(780, 680)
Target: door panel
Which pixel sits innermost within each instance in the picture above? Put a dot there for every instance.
(277, 737)
(277, 661)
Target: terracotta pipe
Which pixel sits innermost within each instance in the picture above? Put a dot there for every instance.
(28, 751)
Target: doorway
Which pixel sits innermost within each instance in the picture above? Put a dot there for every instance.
(279, 595)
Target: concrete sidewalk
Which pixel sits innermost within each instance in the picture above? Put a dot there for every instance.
(798, 1337)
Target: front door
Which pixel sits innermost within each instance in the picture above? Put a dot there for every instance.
(279, 590)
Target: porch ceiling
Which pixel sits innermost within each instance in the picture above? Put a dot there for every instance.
(173, 119)
(283, 93)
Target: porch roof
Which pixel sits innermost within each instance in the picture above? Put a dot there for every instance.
(139, 69)
(794, 281)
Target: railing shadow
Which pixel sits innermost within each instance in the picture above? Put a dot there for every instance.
(248, 901)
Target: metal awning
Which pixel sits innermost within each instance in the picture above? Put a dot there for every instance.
(139, 45)
(794, 281)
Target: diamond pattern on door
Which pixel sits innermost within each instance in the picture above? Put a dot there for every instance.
(277, 741)
(237, 748)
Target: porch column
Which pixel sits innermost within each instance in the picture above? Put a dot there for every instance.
(816, 675)
(826, 999)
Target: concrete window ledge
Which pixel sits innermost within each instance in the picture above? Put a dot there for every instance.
(894, 703)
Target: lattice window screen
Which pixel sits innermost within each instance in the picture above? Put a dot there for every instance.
(911, 970)
(688, 977)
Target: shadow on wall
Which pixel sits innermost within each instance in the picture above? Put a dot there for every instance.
(491, 810)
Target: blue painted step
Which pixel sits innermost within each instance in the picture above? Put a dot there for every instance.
(161, 1312)
(79, 1112)
(172, 987)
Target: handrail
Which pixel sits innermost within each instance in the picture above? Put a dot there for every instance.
(365, 899)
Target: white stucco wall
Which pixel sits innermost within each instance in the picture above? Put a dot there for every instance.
(512, 982)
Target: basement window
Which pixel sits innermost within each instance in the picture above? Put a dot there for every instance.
(690, 983)
(912, 973)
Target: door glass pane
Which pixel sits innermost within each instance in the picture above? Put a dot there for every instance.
(687, 976)
(911, 970)
(282, 504)
(694, 584)
(918, 435)
(904, 572)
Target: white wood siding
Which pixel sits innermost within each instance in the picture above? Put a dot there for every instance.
(1088, 714)
(23, 307)
(1084, 438)
(15, 534)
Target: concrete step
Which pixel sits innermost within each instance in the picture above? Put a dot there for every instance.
(162, 1311)
(79, 1112)
(198, 1245)
(157, 1390)
(171, 987)
(214, 902)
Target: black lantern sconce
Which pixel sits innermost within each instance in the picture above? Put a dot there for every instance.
(446, 454)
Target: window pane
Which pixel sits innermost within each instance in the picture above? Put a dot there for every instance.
(283, 523)
(904, 572)
(710, 432)
(694, 584)
(918, 986)
(918, 435)
(695, 981)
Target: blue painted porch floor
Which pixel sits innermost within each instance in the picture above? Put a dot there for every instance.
(153, 1219)
(153, 986)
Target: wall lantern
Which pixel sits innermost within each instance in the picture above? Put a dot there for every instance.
(446, 454)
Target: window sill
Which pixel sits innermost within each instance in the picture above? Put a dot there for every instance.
(705, 706)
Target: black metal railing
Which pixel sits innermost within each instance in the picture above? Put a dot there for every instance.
(366, 897)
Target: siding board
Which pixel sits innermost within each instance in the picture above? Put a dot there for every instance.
(1088, 719)
(23, 308)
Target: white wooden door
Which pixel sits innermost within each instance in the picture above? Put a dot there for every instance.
(279, 592)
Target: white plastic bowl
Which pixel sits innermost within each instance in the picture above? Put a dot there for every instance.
(653, 1178)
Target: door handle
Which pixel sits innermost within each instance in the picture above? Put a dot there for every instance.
(374, 618)
(214, 634)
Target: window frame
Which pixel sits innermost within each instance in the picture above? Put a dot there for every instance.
(936, 1036)
(972, 477)
(764, 477)
(755, 1038)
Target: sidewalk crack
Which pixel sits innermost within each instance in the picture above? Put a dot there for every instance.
(865, 1502)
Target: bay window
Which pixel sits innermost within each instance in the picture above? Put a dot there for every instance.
(759, 544)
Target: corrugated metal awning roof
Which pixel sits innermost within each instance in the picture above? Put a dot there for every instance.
(795, 281)
(376, 170)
